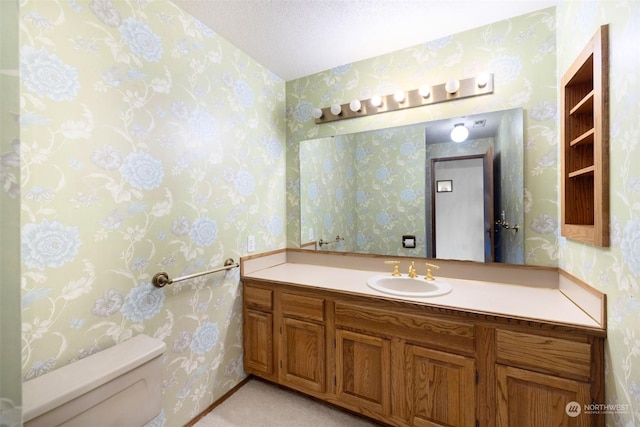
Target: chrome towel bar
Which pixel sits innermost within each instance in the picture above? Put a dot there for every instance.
(324, 242)
(162, 279)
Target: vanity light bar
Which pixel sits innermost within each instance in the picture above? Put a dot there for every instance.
(467, 88)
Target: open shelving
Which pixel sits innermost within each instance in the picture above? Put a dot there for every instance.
(585, 144)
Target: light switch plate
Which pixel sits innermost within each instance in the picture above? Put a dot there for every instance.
(251, 244)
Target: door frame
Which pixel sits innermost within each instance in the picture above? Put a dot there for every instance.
(487, 173)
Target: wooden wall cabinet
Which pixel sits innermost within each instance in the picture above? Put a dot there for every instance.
(584, 109)
(407, 364)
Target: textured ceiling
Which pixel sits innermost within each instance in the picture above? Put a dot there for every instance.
(296, 38)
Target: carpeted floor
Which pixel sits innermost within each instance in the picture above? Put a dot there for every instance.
(259, 404)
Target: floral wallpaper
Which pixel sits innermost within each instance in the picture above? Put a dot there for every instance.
(390, 190)
(10, 377)
(148, 143)
(519, 52)
(510, 197)
(328, 188)
(378, 198)
(614, 270)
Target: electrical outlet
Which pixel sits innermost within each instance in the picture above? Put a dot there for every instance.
(251, 244)
(310, 234)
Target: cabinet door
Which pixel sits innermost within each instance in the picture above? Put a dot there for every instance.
(528, 399)
(441, 388)
(258, 342)
(363, 371)
(303, 355)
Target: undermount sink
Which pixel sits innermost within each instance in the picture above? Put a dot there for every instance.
(409, 286)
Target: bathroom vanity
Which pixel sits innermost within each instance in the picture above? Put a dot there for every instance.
(485, 354)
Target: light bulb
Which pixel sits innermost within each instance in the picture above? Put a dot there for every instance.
(336, 109)
(376, 101)
(355, 105)
(482, 79)
(452, 86)
(316, 113)
(459, 133)
(424, 91)
(399, 96)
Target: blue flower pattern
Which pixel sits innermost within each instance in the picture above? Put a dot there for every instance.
(142, 171)
(245, 184)
(142, 302)
(141, 39)
(302, 112)
(45, 74)
(202, 124)
(49, 244)
(244, 93)
(204, 338)
(204, 231)
(630, 246)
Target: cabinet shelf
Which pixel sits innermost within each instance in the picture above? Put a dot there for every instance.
(589, 170)
(585, 106)
(585, 144)
(585, 138)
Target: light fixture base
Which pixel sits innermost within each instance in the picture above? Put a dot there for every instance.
(468, 88)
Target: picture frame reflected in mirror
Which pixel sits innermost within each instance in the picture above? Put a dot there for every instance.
(444, 186)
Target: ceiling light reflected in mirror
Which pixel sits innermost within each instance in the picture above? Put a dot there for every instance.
(459, 133)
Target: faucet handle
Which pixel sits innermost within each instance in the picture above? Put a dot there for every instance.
(396, 270)
(429, 275)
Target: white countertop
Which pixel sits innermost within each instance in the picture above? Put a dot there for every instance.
(534, 303)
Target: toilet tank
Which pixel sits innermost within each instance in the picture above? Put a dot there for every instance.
(119, 386)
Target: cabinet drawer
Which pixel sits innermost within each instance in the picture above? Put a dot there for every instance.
(546, 354)
(438, 332)
(302, 306)
(258, 298)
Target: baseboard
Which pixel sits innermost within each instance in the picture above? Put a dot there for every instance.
(218, 402)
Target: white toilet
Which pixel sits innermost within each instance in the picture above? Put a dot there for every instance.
(119, 386)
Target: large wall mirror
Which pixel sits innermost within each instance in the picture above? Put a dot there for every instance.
(412, 191)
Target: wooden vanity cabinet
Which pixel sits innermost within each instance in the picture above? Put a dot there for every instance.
(296, 357)
(407, 364)
(258, 328)
(528, 398)
(425, 364)
(441, 387)
(363, 377)
(538, 375)
(302, 341)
